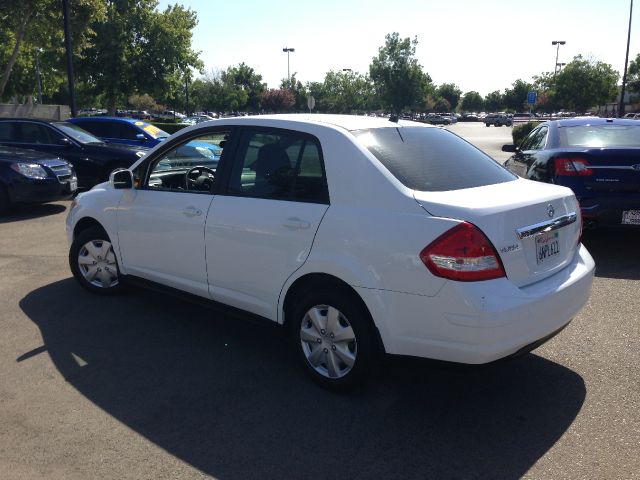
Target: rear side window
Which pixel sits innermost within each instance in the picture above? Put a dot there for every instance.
(598, 136)
(432, 159)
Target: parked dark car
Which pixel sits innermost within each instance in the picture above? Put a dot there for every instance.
(128, 131)
(27, 176)
(498, 120)
(92, 158)
(598, 158)
(437, 119)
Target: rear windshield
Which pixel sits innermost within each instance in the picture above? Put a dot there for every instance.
(432, 159)
(597, 136)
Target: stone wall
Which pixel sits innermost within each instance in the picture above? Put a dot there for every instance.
(48, 112)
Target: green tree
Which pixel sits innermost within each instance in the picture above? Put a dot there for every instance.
(33, 27)
(471, 102)
(633, 75)
(494, 102)
(451, 93)
(585, 83)
(248, 80)
(137, 48)
(347, 92)
(299, 91)
(399, 79)
(515, 98)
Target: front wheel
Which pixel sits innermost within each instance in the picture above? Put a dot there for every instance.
(333, 337)
(93, 262)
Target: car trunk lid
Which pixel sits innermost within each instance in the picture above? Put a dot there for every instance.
(534, 227)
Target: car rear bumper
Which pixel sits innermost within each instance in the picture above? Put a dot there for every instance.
(608, 211)
(479, 322)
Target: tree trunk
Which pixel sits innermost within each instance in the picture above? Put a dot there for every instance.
(22, 29)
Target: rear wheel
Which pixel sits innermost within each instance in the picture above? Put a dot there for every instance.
(93, 262)
(333, 337)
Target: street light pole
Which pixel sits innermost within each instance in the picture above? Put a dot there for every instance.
(67, 46)
(39, 81)
(626, 62)
(560, 65)
(288, 51)
(558, 43)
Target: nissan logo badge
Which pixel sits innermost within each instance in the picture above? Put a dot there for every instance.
(550, 211)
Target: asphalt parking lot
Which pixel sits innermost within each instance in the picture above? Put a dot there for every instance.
(147, 386)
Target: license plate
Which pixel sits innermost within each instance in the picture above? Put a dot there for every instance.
(73, 185)
(547, 246)
(631, 217)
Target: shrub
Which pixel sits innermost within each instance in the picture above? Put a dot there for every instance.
(519, 132)
(169, 127)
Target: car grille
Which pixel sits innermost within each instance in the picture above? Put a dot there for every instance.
(62, 171)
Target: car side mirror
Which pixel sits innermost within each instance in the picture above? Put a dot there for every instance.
(141, 137)
(121, 179)
(510, 148)
(65, 142)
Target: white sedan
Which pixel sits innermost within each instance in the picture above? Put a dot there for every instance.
(359, 235)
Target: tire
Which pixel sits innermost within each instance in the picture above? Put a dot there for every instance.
(488, 124)
(336, 357)
(4, 200)
(93, 262)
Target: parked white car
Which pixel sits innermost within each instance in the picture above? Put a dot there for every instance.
(358, 234)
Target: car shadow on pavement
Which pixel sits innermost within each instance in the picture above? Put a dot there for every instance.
(226, 396)
(615, 251)
(27, 212)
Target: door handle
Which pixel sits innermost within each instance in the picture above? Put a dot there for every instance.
(294, 223)
(192, 212)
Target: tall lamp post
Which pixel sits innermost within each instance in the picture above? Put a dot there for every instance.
(560, 65)
(288, 51)
(626, 62)
(38, 78)
(558, 43)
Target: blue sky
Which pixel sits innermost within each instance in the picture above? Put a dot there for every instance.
(481, 45)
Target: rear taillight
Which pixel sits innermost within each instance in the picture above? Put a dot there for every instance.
(572, 167)
(463, 253)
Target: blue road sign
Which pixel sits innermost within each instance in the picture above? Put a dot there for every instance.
(532, 97)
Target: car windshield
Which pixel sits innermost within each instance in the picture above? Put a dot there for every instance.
(155, 132)
(77, 133)
(432, 159)
(598, 136)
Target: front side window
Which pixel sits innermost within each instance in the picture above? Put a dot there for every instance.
(279, 165)
(432, 159)
(79, 134)
(36, 133)
(190, 166)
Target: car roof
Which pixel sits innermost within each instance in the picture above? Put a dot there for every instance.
(108, 119)
(585, 121)
(346, 122)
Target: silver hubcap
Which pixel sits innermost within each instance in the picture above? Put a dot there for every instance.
(97, 264)
(328, 341)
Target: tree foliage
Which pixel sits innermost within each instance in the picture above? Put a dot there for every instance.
(494, 102)
(278, 100)
(34, 27)
(451, 93)
(515, 98)
(472, 102)
(633, 75)
(137, 48)
(585, 83)
(397, 76)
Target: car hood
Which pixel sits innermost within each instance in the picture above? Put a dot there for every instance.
(23, 155)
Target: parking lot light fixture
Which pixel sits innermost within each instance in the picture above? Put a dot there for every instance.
(288, 51)
(557, 43)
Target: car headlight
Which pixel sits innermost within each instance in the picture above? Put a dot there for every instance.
(140, 154)
(30, 170)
